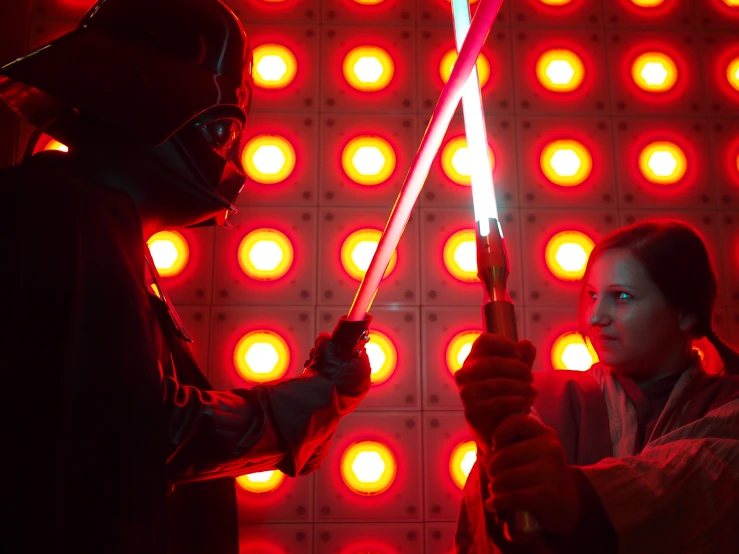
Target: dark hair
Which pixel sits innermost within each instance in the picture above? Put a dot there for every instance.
(675, 258)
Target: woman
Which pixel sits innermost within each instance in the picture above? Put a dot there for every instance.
(639, 454)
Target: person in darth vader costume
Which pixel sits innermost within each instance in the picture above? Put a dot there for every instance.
(113, 440)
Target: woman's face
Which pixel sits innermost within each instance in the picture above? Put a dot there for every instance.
(632, 328)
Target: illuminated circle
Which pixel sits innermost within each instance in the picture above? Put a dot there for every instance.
(732, 73)
(382, 355)
(566, 163)
(663, 163)
(570, 351)
(275, 66)
(261, 356)
(567, 255)
(654, 72)
(732, 3)
(368, 468)
(560, 70)
(648, 3)
(555, 2)
(368, 160)
(461, 461)
(268, 159)
(265, 254)
(358, 250)
(460, 256)
(170, 252)
(368, 68)
(369, 2)
(455, 161)
(459, 348)
(446, 65)
(260, 482)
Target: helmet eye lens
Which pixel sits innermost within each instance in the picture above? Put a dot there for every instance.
(223, 135)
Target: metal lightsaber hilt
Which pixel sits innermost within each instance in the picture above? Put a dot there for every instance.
(520, 528)
(349, 336)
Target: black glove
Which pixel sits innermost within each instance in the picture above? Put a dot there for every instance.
(341, 358)
(306, 410)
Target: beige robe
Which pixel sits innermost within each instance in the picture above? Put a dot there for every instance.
(680, 494)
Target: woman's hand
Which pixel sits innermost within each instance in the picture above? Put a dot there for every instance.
(494, 383)
(528, 472)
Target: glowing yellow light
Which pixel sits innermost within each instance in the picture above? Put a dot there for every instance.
(458, 349)
(268, 159)
(699, 352)
(369, 2)
(654, 72)
(275, 66)
(368, 160)
(460, 256)
(261, 482)
(368, 68)
(368, 468)
(261, 356)
(47, 143)
(170, 252)
(382, 355)
(567, 254)
(663, 163)
(56, 145)
(560, 70)
(732, 3)
(648, 3)
(570, 351)
(455, 161)
(446, 65)
(357, 252)
(732, 72)
(566, 163)
(461, 461)
(265, 254)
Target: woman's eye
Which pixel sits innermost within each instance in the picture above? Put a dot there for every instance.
(621, 295)
(592, 294)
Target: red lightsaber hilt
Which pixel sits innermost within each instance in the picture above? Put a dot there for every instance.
(519, 528)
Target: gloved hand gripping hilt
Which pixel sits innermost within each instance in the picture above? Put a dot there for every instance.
(351, 336)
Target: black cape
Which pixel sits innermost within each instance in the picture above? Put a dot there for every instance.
(104, 408)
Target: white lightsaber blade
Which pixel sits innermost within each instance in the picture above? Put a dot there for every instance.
(522, 528)
(481, 176)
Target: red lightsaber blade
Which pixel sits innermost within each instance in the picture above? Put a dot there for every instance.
(419, 170)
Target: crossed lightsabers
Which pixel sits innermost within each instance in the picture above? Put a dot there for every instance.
(520, 529)
(463, 80)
